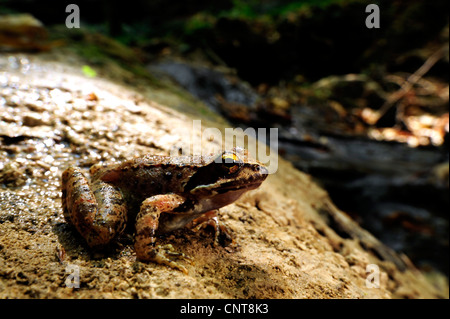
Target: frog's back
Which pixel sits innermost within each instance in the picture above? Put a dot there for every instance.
(142, 177)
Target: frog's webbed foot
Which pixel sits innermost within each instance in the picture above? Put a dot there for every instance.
(147, 223)
(222, 234)
(162, 254)
(165, 255)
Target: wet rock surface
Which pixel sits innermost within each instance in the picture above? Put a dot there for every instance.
(53, 116)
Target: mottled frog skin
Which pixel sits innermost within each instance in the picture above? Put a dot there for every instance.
(159, 193)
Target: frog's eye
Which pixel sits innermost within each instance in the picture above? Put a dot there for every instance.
(231, 163)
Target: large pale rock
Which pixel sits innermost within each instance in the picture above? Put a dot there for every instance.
(291, 242)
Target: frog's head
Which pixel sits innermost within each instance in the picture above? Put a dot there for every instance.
(224, 178)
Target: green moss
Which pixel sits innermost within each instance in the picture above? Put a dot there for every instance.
(285, 9)
(199, 22)
(253, 9)
(88, 71)
(242, 9)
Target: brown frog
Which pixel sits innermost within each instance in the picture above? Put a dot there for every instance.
(160, 193)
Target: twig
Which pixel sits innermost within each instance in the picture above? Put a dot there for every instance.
(410, 82)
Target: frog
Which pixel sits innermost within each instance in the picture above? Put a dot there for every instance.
(159, 194)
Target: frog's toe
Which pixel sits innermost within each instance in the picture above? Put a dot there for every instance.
(170, 251)
(165, 255)
(222, 235)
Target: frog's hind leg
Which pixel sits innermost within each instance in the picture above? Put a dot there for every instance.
(147, 223)
(98, 211)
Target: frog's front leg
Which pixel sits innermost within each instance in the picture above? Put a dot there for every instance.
(147, 223)
(98, 211)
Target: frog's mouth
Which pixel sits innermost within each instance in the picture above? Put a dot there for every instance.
(223, 188)
(217, 198)
(230, 186)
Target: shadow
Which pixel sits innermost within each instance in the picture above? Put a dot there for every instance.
(75, 246)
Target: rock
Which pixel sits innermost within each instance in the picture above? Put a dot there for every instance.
(22, 32)
(291, 242)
